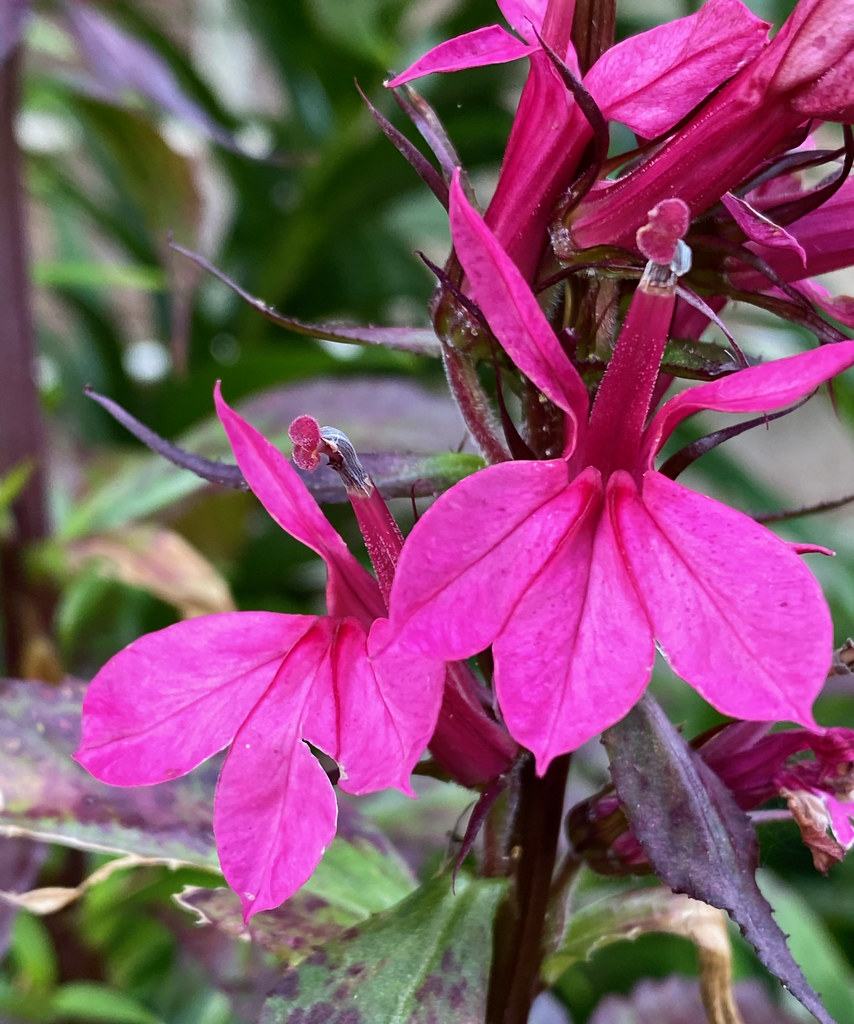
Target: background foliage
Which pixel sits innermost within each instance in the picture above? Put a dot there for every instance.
(256, 150)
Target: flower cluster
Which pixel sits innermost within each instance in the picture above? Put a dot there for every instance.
(578, 557)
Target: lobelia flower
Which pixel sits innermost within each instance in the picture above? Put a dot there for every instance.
(757, 766)
(804, 72)
(648, 82)
(269, 684)
(571, 568)
(819, 242)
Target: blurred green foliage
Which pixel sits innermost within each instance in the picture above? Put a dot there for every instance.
(322, 224)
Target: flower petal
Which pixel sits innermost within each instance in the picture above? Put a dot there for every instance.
(373, 713)
(577, 650)
(489, 45)
(351, 589)
(765, 238)
(512, 311)
(759, 389)
(275, 810)
(172, 698)
(525, 15)
(473, 554)
(652, 80)
(737, 613)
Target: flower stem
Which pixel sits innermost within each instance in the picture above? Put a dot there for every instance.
(593, 29)
(532, 852)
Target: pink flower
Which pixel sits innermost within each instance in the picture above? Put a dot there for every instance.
(269, 684)
(816, 243)
(648, 82)
(574, 568)
(804, 72)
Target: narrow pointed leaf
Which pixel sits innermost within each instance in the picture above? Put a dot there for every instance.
(695, 836)
(418, 340)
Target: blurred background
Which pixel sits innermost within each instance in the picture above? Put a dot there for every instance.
(235, 128)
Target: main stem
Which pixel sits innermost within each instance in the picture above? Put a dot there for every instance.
(532, 849)
(22, 438)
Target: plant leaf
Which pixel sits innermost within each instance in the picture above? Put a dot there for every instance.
(376, 414)
(424, 960)
(696, 838)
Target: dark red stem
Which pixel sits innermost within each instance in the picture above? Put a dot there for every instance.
(520, 927)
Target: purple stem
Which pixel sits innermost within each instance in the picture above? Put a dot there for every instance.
(25, 610)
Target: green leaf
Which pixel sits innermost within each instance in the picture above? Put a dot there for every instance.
(427, 959)
(627, 916)
(89, 274)
(86, 1001)
(11, 485)
(697, 360)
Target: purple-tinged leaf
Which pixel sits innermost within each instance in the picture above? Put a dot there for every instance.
(697, 839)
(425, 960)
(376, 413)
(419, 340)
(119, 62)
(410, 153)
(48, 796)
(426, 120)
(13, 17)
(676, 1000)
